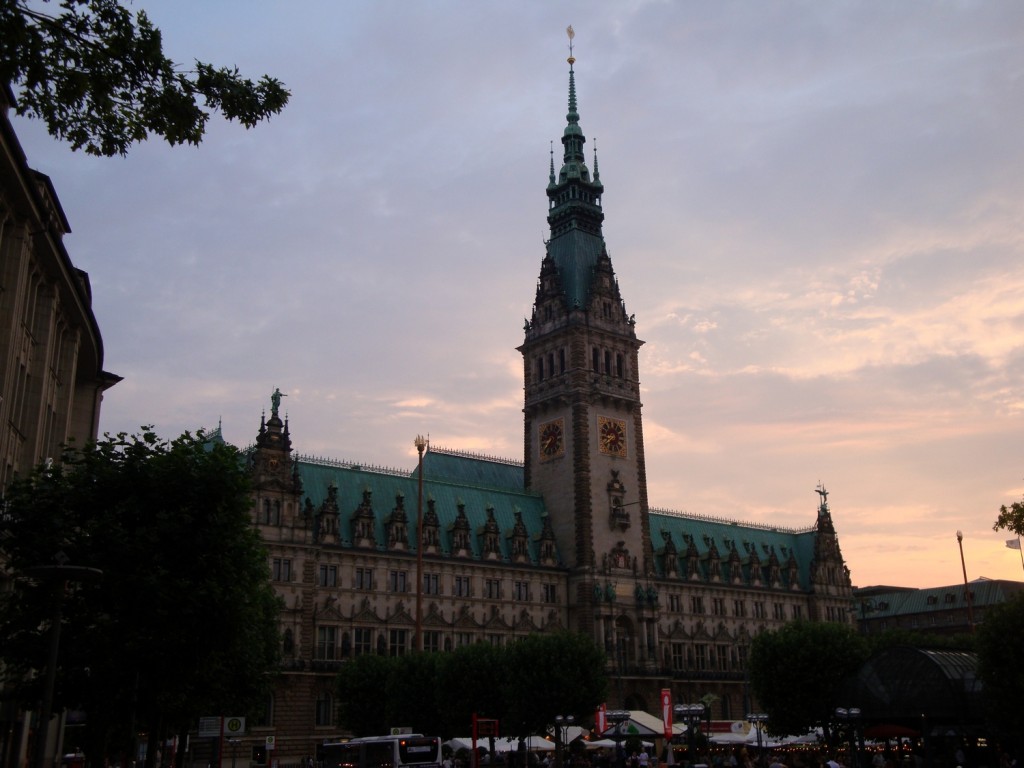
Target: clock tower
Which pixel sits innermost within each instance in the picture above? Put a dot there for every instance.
(583, 434)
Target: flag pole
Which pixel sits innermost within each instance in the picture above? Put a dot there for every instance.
(1020, 552)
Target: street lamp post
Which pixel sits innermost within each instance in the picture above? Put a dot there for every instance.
(618, 717)
(421, 443)
(57, 576)
(758, 719)
(691, 714)
(967, 589)
(562, 723)
(850, 717)
(234, 750)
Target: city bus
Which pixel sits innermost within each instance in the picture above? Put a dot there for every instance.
(407, 750)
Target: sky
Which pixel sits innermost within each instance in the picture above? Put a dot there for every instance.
(815, 211)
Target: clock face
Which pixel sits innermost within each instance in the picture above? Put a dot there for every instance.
(611, 435)
(552, 439)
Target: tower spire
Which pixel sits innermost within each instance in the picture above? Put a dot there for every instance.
(574, 210)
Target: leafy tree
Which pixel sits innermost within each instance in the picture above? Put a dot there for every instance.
(523, 685)
(548, 675)
(1011, 518)
(363, 694)
(469, 682)
(183, 622)
(97, 75)
(796, 672)
(412, 693)
(1001, 664)
(894, 638)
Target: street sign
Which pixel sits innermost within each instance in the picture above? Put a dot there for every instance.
(209, 727)
(234, 726)
(270, 742)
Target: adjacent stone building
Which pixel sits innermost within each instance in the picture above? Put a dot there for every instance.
(51, 353)
(564, 538)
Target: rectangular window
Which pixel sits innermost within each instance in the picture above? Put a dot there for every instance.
(496, 640)
(432, 641)
(363, 640)
(678, 657)
(550, 593)
(521, 591)
(492, 589)
(396, 581)
(779, 611)
(462, 639)
(718, 606)
(722, 658)
(364, 578)
(798, 612)
(281, 569)
(431, 584)
(399, 639)
(696, 604)
(327, 643)
(739, 608)
(328, 576)
(461, 586)
(324, 714)
(674, 604)
(759, 611)
(701, 651)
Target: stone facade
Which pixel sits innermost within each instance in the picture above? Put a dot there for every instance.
(51, 352)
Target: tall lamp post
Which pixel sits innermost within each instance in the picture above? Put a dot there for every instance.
(57, 576)
(967, 589)
(758, 719)
(421, 443)
(849, 718)
(618, 717)
(562, 723)
(691, 714)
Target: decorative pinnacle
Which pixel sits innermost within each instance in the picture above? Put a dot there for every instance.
(569, 31)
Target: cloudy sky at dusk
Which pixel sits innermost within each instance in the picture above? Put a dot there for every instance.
(815, 211)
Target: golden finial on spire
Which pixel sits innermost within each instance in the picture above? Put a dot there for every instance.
(569, 31)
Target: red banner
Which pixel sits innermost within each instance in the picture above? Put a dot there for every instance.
(666, 711)
(601, 718)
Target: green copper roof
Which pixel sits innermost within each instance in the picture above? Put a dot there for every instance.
(899, 602)
(480, 489)
(725, 535)
(574, 214)
(459, 467)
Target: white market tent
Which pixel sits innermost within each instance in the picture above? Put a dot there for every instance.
(501, 744)
(641, 724)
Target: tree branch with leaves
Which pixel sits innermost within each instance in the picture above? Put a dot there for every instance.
(96, 74)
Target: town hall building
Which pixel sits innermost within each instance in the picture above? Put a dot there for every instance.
(563, 538)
